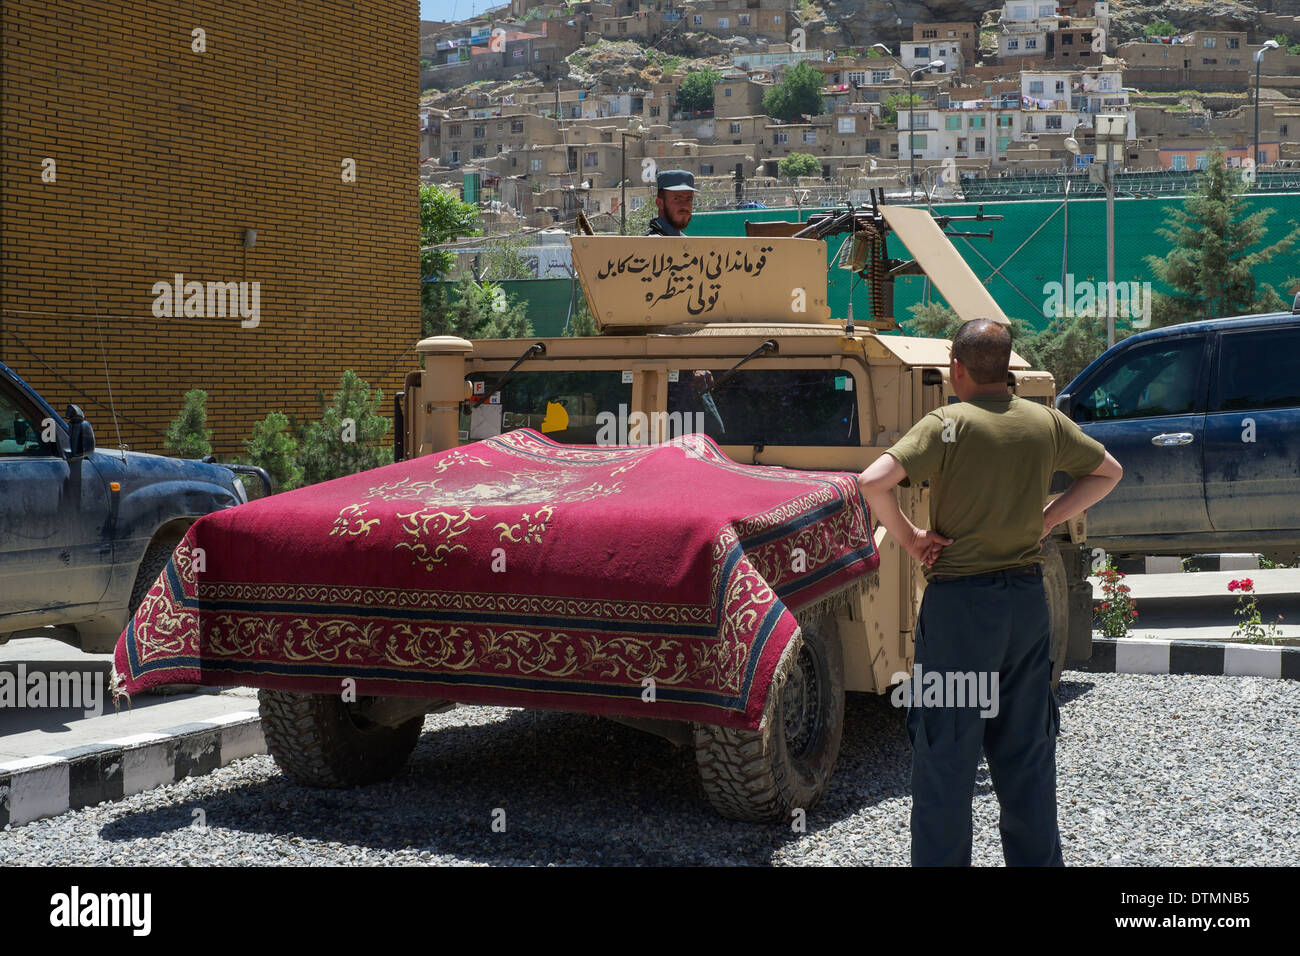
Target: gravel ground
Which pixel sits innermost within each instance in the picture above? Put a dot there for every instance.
(1152, 770)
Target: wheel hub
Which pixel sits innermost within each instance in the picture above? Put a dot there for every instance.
(801, 704)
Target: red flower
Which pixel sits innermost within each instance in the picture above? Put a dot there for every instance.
(1233, 585)
(1247, 584)
(1132, 613)
(1105, 606)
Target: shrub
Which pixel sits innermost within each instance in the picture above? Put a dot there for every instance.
(348, 438)
(187, 435)
(274, 448)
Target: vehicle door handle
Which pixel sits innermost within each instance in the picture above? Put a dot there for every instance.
(1173, 438)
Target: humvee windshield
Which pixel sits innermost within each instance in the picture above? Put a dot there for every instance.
(753, 407)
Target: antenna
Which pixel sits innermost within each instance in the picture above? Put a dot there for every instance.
(103, 354)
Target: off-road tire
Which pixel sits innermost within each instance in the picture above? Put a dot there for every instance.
(1057, 585)
(155, 559)
(755, 775)
(320, 741)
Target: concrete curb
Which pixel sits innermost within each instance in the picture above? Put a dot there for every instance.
(1125, 655)
(35, 787)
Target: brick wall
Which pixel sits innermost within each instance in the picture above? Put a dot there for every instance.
(164, 157)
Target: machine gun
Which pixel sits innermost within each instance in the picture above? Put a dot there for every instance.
(865, 252)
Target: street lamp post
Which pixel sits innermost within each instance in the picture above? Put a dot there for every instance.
(1259, 59)
(633, 130)
(1110, 137)
(911, 103)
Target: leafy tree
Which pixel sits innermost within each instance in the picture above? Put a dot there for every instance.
(187, 435)
(799, 164)
(348, 438)
(894, 102)
(477, 311)
(582, 322)
(504, 259)
(798, 93)
(443, 217)
(1211, 267)
(1159, 28)
(274, 448)
(696, 91)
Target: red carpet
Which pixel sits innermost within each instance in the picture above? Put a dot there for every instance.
(513, 571)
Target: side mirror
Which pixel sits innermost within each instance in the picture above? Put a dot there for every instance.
(82, 434)
(1065, 405)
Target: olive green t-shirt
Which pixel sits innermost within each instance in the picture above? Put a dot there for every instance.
(990, 463)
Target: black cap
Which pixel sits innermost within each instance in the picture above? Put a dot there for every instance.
(676, 179)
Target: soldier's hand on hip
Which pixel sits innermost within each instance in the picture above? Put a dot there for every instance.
(926, 546)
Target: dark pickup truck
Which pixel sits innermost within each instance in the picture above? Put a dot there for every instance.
(84, 533)
(1205, 419)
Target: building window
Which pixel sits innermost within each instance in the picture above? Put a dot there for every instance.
(455, 157)
(1209, 60)
(979, 144)
(1053, 122)
(1031, 43)
(1005, 120)
(726, 91)
(846, 124)
(516, 126)
(1003, 143)
(1067, 39)
(779, 138)
(952, 122)
(1013, 44)
(535, 165)
(873, 146)
(1234, 43)
(735, 128)
(1233, 61)
(591, 159)
(1179, 162)
(777, 19)
(654, 111)
(478, 132)
(453, 130)
(921, 53)
(724, 23)
(742, 19)
(1201, 161)
(1036, 87)
(518, 54)
(697, 20)
(880, 76)
(929, 34)
(810, 136)
(479, 151)
(919, 141)
(1210, 43)
(1020, 12)
(976, 122)
(961, 144)
(918, 120)
(1046, 9)
(858, 77)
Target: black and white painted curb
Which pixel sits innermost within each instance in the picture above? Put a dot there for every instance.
(45, 786)
(1127, 655)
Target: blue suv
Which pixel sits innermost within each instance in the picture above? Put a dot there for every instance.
(1205, 419)
(84, 533)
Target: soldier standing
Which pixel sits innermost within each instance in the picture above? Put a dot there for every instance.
(674, 200)
(989, 460)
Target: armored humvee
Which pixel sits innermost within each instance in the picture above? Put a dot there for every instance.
(732, 337)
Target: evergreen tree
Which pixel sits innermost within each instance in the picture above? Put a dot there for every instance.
(187, 435)
(274, 448)
(349, 437)
(1212, 265)
(477, 311)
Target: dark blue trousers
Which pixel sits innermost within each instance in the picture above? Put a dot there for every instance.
(996, 623)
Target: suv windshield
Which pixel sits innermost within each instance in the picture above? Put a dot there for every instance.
(1159, 378)
(562, 405)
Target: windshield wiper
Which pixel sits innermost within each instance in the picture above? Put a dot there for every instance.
(768, 346)
(538, 348)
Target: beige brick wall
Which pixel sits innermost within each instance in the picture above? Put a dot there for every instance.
(164, 157)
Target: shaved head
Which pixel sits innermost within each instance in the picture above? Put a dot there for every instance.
(984, 348)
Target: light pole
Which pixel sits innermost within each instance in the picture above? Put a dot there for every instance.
(1110, 136)
(1259, 59)
(633, 130)
(911, 127)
